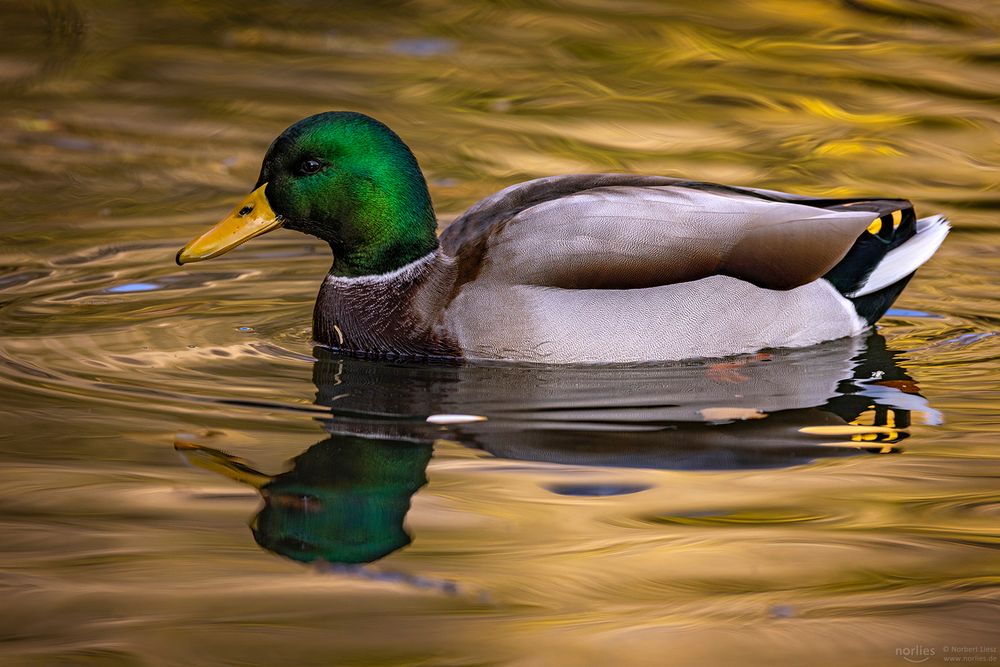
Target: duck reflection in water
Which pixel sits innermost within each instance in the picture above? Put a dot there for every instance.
(345, 498)
(343, 501)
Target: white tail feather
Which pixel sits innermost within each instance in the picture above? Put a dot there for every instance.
(904, 260)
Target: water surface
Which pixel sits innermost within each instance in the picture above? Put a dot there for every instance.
(186, 480)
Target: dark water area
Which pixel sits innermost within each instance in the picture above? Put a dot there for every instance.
(185, 479)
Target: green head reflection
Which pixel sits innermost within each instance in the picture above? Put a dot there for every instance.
(343, 501)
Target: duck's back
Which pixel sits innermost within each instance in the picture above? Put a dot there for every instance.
(615, 267)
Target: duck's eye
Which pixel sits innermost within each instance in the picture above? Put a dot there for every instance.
(310, 166)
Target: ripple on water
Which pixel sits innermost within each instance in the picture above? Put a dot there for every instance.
(596, 489)
(747, 518)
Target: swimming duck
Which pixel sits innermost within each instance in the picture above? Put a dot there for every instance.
(586, 268)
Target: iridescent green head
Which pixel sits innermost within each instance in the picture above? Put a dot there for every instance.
(345, 178)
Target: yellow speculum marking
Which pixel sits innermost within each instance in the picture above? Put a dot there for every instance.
(876, 226)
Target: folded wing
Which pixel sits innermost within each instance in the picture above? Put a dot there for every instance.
(610, 231)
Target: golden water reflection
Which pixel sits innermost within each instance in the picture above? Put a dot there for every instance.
(346, 497)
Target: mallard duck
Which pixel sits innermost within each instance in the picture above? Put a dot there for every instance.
(585, 268)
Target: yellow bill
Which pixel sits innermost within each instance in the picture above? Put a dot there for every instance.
(251, 217)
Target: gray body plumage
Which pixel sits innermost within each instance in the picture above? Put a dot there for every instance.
(610, 268)
(710, 317)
